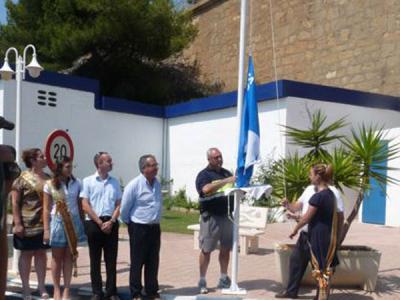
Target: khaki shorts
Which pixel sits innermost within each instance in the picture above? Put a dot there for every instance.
(214, 229)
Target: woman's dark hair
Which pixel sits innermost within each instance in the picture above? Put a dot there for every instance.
(28, 155)
(57, 172)
(325, 172)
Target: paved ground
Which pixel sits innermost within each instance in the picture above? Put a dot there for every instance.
(257, 272)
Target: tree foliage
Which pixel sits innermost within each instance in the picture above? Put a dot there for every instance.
(125, 44)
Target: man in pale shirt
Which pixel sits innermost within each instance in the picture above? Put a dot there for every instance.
(141, 209)
(300, 256)
(101, 200)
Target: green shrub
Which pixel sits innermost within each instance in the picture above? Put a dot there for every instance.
(179, 199)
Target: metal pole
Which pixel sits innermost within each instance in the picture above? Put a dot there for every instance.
(242, 51)
(234, 289)
(235, 247)
(18, 79)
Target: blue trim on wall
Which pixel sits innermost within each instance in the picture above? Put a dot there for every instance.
(132, 107)
(70, 82)
(339, 95)
(265, 92)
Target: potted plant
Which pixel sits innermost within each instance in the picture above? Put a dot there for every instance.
(356, 159)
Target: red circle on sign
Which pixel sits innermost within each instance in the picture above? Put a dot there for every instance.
(57, 134)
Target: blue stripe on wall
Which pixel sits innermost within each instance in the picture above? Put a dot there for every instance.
(265, 92)
(226, 100)
(132, 107)
(339, 95)
(69, 81)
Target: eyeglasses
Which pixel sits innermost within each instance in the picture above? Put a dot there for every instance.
(153, 165)
(11, 170)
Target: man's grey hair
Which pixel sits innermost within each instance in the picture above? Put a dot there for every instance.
(211, 150)
(143, 161)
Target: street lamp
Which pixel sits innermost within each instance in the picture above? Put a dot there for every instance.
(6, 73)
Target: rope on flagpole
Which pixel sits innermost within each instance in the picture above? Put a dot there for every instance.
(277, 98)
(276, 89)
(251, 25)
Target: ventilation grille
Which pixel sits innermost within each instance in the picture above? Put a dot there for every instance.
(47, 98)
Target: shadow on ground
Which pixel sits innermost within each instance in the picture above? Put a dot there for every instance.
(389, 285)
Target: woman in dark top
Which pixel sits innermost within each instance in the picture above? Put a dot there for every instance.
(321, 218)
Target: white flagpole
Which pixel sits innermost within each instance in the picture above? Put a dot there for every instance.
(234, 289)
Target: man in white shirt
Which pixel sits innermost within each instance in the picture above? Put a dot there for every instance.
(141, 209)
(300, 256)
(101, 199)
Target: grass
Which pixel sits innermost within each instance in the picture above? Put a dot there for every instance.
(177, 221)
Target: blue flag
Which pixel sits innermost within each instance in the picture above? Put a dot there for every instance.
(249, 141)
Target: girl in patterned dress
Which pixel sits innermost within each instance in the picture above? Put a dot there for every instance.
(27, 205)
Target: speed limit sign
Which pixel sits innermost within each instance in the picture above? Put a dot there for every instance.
(58, 145)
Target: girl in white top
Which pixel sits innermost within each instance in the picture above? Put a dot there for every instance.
(63, 183)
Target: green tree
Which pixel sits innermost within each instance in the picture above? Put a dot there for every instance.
(125, 44)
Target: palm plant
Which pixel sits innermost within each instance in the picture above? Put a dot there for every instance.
(355, 161)
(289, 177)
(317, 136)
(346, 169)
(370, 150)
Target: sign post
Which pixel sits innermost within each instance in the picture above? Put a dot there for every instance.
(58, 145)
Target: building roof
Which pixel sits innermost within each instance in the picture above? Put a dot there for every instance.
(265, 92)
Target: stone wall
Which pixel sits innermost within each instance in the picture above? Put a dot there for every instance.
(353, 44)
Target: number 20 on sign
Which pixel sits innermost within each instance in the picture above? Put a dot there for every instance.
(58, 145)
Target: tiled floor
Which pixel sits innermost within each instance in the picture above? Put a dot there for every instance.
(257, 272)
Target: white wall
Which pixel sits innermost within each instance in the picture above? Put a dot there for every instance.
(125, 136)
(393, 191)
(190, 137)
(128, 136)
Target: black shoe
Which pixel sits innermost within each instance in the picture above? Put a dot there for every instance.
(286, 295)
(155, 296)
(137, 297)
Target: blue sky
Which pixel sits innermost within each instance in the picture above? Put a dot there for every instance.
(3, 16)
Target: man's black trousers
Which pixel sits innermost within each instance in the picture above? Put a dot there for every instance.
(298, 263)
(145, 242)
(99, 241)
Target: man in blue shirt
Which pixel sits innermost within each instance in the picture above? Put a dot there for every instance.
(101, 200)
(141, 209)
(215, 226)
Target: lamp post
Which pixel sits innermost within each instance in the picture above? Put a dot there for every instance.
(6, 73)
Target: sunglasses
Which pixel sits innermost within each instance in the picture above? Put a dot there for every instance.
(11, 170)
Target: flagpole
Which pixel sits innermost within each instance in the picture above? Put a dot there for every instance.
(234, 289)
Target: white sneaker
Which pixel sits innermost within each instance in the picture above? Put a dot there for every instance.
(203, 286)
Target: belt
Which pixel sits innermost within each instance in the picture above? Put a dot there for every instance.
(147, 225)
(105, 218)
